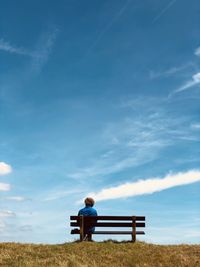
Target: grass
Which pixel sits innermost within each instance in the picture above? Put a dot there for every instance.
(108, 254)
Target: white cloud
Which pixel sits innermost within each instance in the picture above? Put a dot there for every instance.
(4, 187)
(197, 51)
(16, 198)
(195, 80)
(6, 213)
(148, 186)
(196, 77)
(5, 168)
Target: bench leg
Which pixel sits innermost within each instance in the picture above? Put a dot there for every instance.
(133, 238)
(133, 229)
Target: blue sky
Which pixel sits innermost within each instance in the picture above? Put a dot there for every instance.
(99, 98)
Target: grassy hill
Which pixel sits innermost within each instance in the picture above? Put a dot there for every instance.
(99, 254)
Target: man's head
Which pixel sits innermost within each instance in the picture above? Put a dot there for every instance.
(89, 202)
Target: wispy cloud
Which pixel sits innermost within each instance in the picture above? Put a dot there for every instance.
(61, 194)
(135, 139)
(169, 72)
(7, 47)
(40, 54)
(195, 80)
(149, 186)
(5, 168)
(102, 168)
(197, 51)
(139, 139)
(164, 10)
(44, 48)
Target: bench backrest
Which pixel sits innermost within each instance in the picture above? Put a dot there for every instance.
(108, 221)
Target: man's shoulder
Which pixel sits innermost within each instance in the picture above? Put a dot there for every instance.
(81, 210)
(93, 211)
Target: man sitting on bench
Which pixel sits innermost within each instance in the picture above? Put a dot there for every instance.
(88, 210)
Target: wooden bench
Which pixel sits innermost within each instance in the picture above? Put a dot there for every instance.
(83, 222)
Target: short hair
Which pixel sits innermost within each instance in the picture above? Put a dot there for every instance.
(89, 201)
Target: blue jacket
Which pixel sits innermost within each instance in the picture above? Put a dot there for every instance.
(88, 211)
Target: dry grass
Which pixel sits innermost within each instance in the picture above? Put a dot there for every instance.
(99, 254)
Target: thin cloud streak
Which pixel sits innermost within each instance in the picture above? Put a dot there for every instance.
(149, 186)
(171, 3)
(169, 72)
(7, 47)
(195, 80)
(109, 25)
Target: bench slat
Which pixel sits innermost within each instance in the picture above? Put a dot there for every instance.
(118, 233)
(111, 218)
(109, 224)
(76, 231)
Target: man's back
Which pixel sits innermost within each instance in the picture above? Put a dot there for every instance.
(87, 211)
